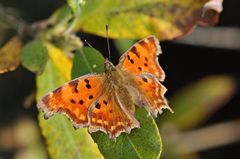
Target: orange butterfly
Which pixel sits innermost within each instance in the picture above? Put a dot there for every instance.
(106, 101)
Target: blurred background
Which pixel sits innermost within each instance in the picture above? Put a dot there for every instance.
(202, 69)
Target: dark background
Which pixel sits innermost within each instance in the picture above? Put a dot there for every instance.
(182, 63)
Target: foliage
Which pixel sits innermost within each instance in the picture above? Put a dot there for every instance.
(10, 55)
(34, 56)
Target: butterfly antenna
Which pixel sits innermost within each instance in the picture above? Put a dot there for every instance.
(88, 43)
(109, 53)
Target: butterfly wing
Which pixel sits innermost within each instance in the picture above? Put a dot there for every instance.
(110, 115)
(90, 101)
(150, 93)
(143, 58)
(73, 99)
(140, 66)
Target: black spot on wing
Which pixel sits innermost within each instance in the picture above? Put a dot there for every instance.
(146, 59)
(72, 101)
(88, 86)
(105, 102)
(86, 80)
(90, 97)
(81, 102)
(132, 62)
(74, 84)
(134, 51)
(145, 79)
(98, 105)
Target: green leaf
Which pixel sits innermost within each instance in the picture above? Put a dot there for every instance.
(134, 19)
(123, 45)
(141, 143)
(144, 142)
(74, 4)
(34, 56)
(87, 60)
(62, 15)
(62, 140)
(195, 103)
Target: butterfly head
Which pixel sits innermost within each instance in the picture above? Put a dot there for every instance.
(108, 65)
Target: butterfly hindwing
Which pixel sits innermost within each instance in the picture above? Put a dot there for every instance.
(150, 93)
(110, 116)
(143, 58)
(73, 99)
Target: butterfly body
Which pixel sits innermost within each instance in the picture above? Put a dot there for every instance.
(107, 101)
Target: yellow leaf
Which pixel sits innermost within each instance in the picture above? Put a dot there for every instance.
(131, 19)
(62, 62)
(10, 55)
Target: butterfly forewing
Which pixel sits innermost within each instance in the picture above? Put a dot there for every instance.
(142, 58)
(73, 99)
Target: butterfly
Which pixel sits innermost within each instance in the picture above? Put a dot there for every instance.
(106, 101)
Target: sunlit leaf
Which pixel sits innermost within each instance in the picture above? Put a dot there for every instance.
(10, 55)
(34, 56)
(140, 143)
(87, 60)
(74, 4)
(136, 19)
(196, 102)
(62, 62)
(62, 140)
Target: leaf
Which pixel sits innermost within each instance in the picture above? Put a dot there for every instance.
(133, 19)
(123, 45)
(62, 62)
(140, 143)
(62, 140)
(87, 60)
(195, 103)
(211, 12)
(34, 56)
(74, 4)
(10, 55)
(61, 15)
